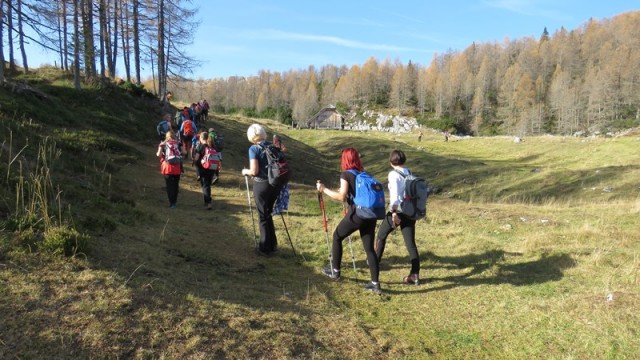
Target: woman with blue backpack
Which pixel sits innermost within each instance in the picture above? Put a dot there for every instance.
(353, 220)
(396, 218)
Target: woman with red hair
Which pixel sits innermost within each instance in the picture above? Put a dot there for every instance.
(351, 222)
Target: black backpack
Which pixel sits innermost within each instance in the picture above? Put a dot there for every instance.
(278, 168)
(415, 196)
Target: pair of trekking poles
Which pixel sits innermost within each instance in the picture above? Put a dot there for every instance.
(255, 238)
(326, 230)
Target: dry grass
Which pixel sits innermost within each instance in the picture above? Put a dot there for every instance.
(515, 263)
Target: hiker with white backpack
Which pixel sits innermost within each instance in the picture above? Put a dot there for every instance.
(170, 155)
(407, 203)
(358, 217)
(207, 162)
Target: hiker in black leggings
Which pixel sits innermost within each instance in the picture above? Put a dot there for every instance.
(264, 193)
(351, 222)
(394, 218)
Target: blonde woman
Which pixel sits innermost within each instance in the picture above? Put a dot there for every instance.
(265, 194)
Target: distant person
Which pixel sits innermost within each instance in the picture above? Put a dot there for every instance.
(420, 136)
(264, 193)
(393, 219)
(351, 221)
(170, 155)
(163, 126)
(188, 130)
(446, 135)
(207, 164)
(282, 203)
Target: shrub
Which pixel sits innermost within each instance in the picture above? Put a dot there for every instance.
(64, 240)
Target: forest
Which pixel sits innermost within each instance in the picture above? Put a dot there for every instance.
(572, 81)
(580, 81)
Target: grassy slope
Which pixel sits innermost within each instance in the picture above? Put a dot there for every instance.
(520, 249)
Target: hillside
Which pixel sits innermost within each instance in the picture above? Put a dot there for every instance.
(529, 250)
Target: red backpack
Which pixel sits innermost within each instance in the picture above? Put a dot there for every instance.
(187, 127)
(210, 159)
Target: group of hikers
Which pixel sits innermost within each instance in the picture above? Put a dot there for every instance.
(180, 139)
(272, 197)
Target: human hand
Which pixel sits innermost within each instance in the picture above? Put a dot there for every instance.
(320, 186)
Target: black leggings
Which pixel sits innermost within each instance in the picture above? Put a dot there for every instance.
(408, 229)
(348, 225)
(173, 185)
(265, 196)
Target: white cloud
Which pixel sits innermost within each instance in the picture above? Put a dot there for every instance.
(272, 34)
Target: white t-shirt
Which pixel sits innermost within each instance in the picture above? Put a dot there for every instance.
(396, 186)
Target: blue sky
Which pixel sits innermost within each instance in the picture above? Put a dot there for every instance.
(242, 37)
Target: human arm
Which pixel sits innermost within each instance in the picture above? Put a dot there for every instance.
(340, 195)
(253, 168)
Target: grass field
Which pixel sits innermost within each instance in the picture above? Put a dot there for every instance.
(529, 250)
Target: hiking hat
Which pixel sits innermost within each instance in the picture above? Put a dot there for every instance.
(256, 133)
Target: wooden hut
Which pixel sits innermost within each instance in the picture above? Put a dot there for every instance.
(327, 118)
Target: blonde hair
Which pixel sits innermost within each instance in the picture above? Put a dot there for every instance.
(170, 135)
(256, 133)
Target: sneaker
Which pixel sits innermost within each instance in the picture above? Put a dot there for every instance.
(335, 275)
(412, 279)
(374, 288)
(172, 206)
(214, 180)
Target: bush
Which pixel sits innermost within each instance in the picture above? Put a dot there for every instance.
(64, 240)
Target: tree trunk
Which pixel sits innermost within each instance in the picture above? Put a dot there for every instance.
(126, 39)
(104, 36)
(114, 53)
(25, 64)
(136, 38)
(1, 47)
(76, 41)
(160, 48)
(12, 61)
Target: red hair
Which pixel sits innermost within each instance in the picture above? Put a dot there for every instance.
(351, 160)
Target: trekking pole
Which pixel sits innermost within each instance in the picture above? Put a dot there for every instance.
(326, 230)
(353, 258)
(287, 230)
(246, 180)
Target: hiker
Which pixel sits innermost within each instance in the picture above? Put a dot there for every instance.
(393, 219)
(188, 130)
(205, 109)
(446, 135)
(163, 126)
(351, 222)
(420, 136)
(264, 193)
(218, 144)
(207, 163)
(282, 203)
(170, 155)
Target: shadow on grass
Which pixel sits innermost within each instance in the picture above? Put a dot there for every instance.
(493, 267)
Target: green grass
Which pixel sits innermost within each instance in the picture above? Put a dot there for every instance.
(522, 245)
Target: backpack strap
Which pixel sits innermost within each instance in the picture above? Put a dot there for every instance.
(403, 174)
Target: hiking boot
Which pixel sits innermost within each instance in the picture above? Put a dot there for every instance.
(260, 252)
(214, 179)
(333, 276)
(412, 279)
(374, 288)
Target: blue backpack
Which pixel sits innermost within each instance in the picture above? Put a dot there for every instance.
(369, 198)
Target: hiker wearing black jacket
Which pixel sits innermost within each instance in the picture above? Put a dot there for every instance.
(395, 219)
(264, 193)
(351, 221)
